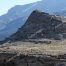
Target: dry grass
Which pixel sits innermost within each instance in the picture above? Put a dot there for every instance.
(55, 48)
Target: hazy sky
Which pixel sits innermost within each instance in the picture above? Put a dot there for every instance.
(7, 4)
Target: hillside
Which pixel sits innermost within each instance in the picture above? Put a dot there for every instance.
(40, 25)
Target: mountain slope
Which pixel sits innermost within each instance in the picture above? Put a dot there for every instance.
(40, 25)
(11, 28)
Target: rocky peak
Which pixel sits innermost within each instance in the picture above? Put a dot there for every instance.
(39, 25)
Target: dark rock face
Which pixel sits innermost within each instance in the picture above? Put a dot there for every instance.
(40, 25)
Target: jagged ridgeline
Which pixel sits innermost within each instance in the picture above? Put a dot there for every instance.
(41, 25)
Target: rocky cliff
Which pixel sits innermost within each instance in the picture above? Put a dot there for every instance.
(40, 25)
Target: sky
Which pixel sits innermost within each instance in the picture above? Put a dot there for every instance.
(5, 5)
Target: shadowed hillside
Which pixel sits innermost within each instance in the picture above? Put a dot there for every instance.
(40, 25)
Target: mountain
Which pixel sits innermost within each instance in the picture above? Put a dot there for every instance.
(40, 25)
(11, 28)
(23, 11)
